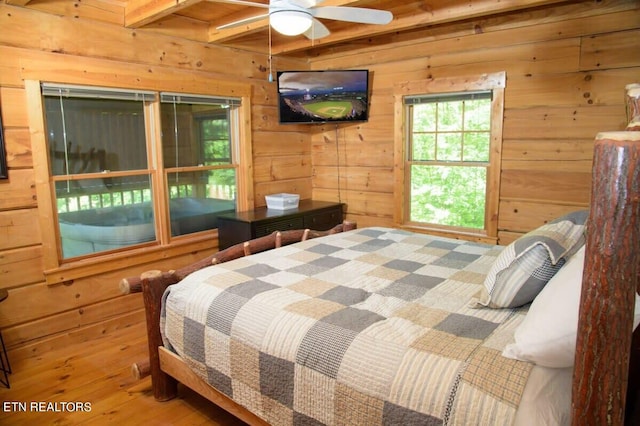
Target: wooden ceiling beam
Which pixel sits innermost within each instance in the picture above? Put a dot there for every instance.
(419, 19)
(138, 13)
(229, 34)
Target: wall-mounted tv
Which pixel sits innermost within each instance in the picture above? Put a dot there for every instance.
(333, 96)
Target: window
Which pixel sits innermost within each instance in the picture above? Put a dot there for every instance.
(198, 155)
(450, 145)
(133, 168)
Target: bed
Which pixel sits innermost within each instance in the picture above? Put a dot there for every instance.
(384, 326)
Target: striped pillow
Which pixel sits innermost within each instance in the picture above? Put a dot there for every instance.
(524, 267)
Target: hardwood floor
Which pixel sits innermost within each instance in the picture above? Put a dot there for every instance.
(91, 384)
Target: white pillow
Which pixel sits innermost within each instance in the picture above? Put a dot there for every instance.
(547, 335)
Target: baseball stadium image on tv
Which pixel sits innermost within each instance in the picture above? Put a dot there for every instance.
(334, 96)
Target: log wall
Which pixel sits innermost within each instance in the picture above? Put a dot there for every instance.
(38, 315)
(567, 67)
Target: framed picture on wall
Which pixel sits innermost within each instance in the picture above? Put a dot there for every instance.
(4, 172)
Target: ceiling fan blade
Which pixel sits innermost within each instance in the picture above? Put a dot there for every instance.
(317, 30)
(353, 14)
(242, 22)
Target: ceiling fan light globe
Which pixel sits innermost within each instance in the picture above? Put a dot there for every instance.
(290, 22)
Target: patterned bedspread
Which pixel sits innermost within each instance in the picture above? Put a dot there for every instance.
(367, 327)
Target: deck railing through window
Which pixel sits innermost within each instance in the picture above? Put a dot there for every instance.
(72, 202)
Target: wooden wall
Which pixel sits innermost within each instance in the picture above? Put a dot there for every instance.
(566, 71)
(566, 68)
(35, 45)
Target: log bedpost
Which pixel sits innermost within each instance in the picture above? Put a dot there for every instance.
(165, 387)
(611, 275)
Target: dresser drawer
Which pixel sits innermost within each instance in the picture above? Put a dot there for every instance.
(263, 229)
(323, 220)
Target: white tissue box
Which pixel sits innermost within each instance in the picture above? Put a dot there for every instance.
(282, 201)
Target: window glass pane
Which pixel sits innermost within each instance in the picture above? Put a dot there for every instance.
(216, 140)
(451, 196)
(197, 198)
(424, 146)
(477, 115)
(94, 135)
(450, 116)
(424, 117)
(195, 134)
(104, 214)
(449, 146)
(476, 146)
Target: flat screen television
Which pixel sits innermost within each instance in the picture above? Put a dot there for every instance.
(333, 96)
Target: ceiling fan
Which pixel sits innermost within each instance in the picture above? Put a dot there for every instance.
(294, 17)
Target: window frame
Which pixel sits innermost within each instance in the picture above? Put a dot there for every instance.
(234, 135)
(494, 82)
(56, 269)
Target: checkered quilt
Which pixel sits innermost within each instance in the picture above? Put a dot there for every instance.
(367, 327)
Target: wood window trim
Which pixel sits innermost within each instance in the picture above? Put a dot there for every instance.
(495, 82)
(56, 271)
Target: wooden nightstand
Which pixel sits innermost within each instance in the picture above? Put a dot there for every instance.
(234, 228)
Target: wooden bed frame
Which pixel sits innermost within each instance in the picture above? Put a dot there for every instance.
(606, 381)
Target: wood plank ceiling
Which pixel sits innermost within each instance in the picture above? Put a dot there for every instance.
(199, 19)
